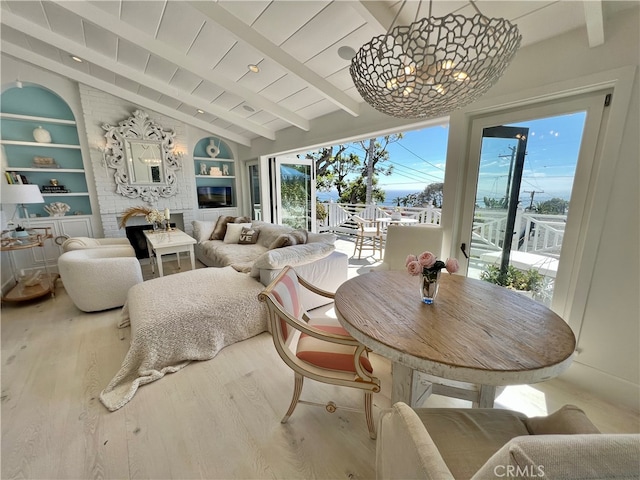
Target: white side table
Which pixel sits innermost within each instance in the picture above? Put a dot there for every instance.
(163, 242)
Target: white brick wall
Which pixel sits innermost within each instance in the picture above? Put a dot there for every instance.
(100, 108)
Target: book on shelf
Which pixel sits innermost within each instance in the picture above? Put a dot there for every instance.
(54, 189)
(14, 178)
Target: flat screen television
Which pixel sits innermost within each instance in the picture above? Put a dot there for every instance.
(214, 197)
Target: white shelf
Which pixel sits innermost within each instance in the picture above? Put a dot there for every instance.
(215, 176)
(54, 170)
(30, 118)
(38, 144)
(225, 160)
(82, 194)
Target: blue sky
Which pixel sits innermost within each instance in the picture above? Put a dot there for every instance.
(552, 152)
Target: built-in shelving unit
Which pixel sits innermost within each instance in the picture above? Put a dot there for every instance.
(215, 174)
(23, 110)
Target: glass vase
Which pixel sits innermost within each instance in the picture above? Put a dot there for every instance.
(429, 281)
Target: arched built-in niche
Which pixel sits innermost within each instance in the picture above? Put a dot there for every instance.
(215, 170)
(43, 163)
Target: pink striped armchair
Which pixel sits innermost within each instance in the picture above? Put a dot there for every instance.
(317, 348)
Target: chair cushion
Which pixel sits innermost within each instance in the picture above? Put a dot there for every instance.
(467, 438)
(329, 355)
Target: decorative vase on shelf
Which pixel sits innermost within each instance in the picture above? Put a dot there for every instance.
(212, 150)
(429, 281)
(41, 135)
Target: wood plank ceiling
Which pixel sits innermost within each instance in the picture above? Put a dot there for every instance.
(189, 59)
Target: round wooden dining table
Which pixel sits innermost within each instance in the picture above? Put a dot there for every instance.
(475, 332)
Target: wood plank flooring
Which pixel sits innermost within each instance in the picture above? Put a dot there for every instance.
(213, 419)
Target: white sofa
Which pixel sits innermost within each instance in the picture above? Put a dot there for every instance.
(316, 260)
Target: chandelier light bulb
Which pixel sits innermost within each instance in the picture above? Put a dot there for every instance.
(448, 64)
(460, 76)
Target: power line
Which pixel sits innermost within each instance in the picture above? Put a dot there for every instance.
(418, 156)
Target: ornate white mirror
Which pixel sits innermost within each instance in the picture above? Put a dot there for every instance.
(141, 153)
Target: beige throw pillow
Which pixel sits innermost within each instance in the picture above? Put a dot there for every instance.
(568, 420)
(233, 232)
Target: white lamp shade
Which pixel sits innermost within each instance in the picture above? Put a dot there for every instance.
(21, 194)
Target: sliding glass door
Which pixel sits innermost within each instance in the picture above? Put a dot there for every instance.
(294, 182)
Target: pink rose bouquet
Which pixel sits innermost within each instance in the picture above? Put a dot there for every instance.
(426, 262)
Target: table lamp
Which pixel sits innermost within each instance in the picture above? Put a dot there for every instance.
(21, 195)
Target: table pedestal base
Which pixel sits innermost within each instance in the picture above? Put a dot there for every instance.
(413, 388)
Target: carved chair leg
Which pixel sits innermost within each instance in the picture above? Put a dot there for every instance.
(297, 390)
(368, 412)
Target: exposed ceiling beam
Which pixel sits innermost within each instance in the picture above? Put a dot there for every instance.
(375, 13)
(69, 46)
(44, 62)
(595, 22)
(163, 50)
(243, 32)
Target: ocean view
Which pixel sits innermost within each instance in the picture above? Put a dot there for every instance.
(390, 195)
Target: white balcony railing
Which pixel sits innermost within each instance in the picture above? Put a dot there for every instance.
(340, 215)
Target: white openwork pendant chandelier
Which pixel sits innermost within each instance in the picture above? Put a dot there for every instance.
(435, 65)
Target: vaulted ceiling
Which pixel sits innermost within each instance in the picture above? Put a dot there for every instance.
(190, 59)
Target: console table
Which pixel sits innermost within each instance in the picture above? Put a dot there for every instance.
(46, 284)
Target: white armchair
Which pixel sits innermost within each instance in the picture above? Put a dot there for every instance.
(99, 278)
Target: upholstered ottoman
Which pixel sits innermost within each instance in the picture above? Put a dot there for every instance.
(180, 318)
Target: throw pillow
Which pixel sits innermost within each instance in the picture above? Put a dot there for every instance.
(568, 420)
(220, 229)
(300, 237)
(242, 220)
(233, 232)
(248, 236)
(281, 240)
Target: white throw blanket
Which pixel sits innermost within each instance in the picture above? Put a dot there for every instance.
(183, 317)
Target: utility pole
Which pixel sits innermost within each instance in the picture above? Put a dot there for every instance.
(532, 195)
(512, 158)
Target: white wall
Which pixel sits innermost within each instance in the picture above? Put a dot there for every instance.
(101, 108)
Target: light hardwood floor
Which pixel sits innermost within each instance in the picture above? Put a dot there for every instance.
(213, 419)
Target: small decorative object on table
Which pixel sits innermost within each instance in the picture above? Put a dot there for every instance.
(203, 168)
(428, 267)
(396, 215)
(155, 218)
(20, 232)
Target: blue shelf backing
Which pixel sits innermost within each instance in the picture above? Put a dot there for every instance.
(35, 101)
